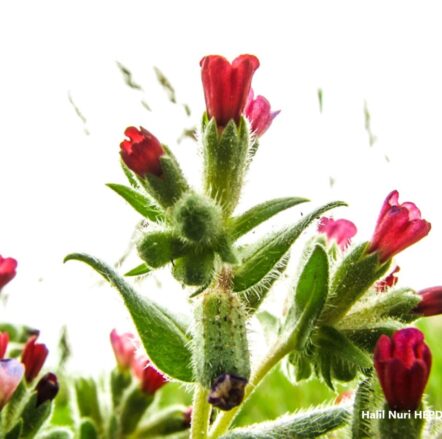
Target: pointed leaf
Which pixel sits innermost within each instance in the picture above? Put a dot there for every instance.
(247, 221)
(130, 175)
(139, 270)
(140, 202)
(266, 254)
(163, 337)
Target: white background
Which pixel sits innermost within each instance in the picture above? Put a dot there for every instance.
(52, 194)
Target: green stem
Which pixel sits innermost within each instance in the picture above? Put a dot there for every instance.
(200, 413)
(224, 420)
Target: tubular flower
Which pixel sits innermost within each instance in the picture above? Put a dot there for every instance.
(11, 373)
(4, 340)
(226, 86)
(388, 282)
(142, 152)
(47, 388)
(398, 227)
(340, 230)
(403, 364)
(33, 357)
(125, 346)
(431, 303)
(151, 379)
(7, 270)
(259, 113)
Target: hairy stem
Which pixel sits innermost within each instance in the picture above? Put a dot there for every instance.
(200, 413)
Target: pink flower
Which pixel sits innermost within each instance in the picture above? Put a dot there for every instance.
(125, 346)
(388, 282)
(33, 357)
(226, 86)
(403, 365)
(398, 227)
(259, 113)
(151, 379)
(142, 152)
(11, 373)
(341, 230)
(7, 270)
(4, 340)
(431, 303)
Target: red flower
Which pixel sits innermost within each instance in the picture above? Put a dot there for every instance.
(7, 270)
(33, 357)
(226, 86)
(403, 365)
(431, 303)
(4, 340)
(142, 152)
(259, 113)
(47, 388)
(388, 282)
(341, 230)
(151, 379)
(11, 373)
(125, 346)
(398, 227)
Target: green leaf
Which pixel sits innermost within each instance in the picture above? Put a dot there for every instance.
(88, 429)
(139, 270)
(165, 340)
(87, 399)
(305, 425)
(247, 221)
(266, 254)
(130, 175)
(140, 202)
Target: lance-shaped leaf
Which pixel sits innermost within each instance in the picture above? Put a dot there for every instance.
(140, 202)
(163, 337)
(310, 296)
(264, 256)
(139, 270)
(304, 425)
(247, 221)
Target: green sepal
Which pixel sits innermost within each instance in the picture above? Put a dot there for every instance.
(225, 155)
(87, 399)
(309, 424)
(165, 339)
(265, 255)
(16, 431)
(120, 381)
(310, 295)
(367, 337)
(196, 268)
(164, 422)
(34, 416)
(10, 413)
(131, 178)
(365, 402)
(225, 249)
(168, 188)
(133, 409)
(139, 270)
(113, 427)
(302, 368)
(140, 202)
(409, 427)
(354, 276)
(159, 248)
(88, 429)
(240, 225)
(343, 370)
(17, 333)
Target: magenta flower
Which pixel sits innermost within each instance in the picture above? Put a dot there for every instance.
(151, 379)
(398, 227)
(125, 346)
(11, 373)
(259, 113)
(47, 388)
(4, 340)
(7, 270)
(388, 282)
(340, 230)
(142, 152)
(226, 86)
(33, 357)
(403, 364)
(431, 303)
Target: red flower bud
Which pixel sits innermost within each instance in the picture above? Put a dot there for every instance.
(398, 227)
(151, 379)
(47, 388)
(4, 340)
(403, 365)
(259, 113)
(33, 357)
(7, 270)
(125, 346)
(142, 152)
(388, 282)
(11, 373)
(341, 230)
(226, 86)
(431, 303)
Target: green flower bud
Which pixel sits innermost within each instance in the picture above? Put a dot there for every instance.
(196, 268)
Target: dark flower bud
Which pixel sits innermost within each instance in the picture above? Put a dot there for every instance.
(47, 388)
